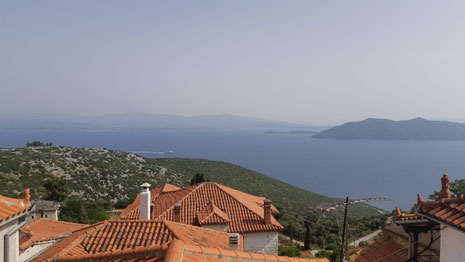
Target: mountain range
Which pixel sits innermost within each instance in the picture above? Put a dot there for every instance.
(385, 129)
(134, 121)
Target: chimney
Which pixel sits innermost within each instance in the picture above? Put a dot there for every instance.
(27, 195)
(267, 211)
(234, 240)
(445, 192)
(177, 212)
(145, 202)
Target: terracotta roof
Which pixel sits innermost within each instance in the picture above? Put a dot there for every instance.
(44, 229)
(404, 217)
(212, 215)
(154, 192)
(178, 251)
(114, 235)
(450, 211)
(383, 252)
(10, 207)
(244, 211)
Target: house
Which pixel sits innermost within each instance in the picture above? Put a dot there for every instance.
(44, 209)
(214, 206)
(12, 210)
(42, 233)
(449, 212)
(180, 251)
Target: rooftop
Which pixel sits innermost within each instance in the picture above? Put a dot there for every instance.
(10, 207)
(382, 252)
(44, 229)
(46, 205)
(448, 210)
(113, 235)
(178, 250)
(244, 211)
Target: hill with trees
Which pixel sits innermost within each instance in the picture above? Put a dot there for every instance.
(385, 129)
(115, 176)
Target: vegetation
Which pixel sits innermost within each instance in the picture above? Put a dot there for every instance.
(198, 178)
(79, 211)
(326, 233)
(38, 143)
(290, 251)
(56, 189)
(98, 179)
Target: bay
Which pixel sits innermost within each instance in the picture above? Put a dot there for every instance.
(397, 170)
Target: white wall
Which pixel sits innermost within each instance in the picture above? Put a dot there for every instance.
(34, 250)
(14, 241)
(52, 214)
(261, 242)
(223, 228)
(452, 245)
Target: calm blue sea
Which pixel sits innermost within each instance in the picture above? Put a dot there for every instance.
(397, 170)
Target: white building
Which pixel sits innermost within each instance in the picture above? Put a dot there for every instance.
(44, 209)
(11, 211)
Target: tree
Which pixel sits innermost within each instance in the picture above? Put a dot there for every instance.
(86, 212)
(289, 251)
(307, 236)
(456, 189)
(57, 189)
(74, 211)
(198, 178)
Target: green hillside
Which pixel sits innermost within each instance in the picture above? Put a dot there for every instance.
(101, 174)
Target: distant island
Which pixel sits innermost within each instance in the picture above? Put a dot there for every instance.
(291, 132)
(136, 121)
(385, 129)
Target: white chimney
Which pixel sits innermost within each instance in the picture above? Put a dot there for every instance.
(145, 202)
(234, 240)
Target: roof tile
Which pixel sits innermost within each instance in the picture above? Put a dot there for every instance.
(10, 207)
(178, 249)
(244, 211)
(113, 235)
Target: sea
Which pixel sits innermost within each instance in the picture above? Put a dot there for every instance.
(358, 169)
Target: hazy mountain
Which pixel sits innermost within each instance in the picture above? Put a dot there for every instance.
(135, 121)
(414, 129)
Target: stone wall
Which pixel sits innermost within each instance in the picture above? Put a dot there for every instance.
(261, 242)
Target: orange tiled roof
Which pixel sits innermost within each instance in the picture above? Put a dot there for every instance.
(404, 217)
(450, 211)
(44, 229)
(212, 215)
(154, 192)
(244, 211)
(114, 235)
(383, 252)
(10, 207)
(178, 250)
(447, 210)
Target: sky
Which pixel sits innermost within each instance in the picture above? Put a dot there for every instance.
(309, 62)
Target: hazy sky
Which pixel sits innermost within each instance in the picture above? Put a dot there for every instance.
(313, 62)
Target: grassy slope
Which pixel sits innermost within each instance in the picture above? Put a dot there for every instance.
(112, 175)
(282, 194)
